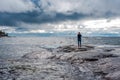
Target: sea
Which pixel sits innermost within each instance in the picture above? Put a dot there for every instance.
(18, 45)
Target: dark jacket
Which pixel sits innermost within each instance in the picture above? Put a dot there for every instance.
(79, 37)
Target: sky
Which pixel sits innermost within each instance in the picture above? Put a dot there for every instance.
(39, 16)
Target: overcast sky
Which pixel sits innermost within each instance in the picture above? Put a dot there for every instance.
(18, 12)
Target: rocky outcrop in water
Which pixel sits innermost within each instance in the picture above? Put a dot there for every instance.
(3, 34)
(65, 63)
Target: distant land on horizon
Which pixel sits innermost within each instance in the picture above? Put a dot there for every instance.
(3, 34)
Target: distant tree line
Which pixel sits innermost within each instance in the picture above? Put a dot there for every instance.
(3, 34)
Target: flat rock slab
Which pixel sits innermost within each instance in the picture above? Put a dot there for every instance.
(72, 48)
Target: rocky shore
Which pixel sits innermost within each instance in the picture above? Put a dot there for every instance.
(65, 63)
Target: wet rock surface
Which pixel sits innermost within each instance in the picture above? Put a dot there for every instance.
(73, 48)
(64, 63)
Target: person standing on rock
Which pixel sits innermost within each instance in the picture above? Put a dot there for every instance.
(79, 39)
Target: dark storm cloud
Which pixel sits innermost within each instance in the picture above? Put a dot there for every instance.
(42, 11)
(12, 19)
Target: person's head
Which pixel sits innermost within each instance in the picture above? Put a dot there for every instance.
(78, 32)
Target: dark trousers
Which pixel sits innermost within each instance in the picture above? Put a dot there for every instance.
(79, 43)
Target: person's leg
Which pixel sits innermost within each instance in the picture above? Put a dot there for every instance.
(78, 43)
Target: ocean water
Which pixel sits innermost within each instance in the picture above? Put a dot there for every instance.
(16, 47)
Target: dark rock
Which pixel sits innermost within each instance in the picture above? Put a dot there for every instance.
(81, 49)
(89, 46)
(105, 55)
(1, 72)
(12, 71)
(71, 48)
(90, 59)
(100, 73)
(3, 34)
(108, 50)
